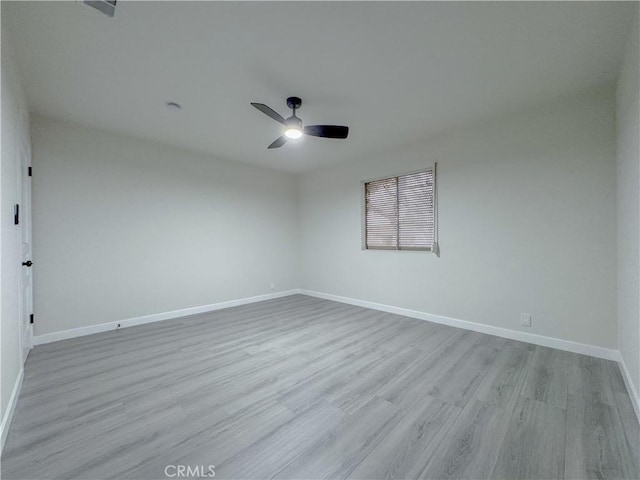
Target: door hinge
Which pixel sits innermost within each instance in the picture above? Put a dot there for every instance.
(30, 172)
(16, 215)
(31, 318)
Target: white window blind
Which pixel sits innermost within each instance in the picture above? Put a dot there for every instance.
(400, 212)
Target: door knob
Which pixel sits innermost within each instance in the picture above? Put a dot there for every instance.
(28, 263)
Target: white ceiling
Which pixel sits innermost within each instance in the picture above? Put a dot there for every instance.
(393, 72)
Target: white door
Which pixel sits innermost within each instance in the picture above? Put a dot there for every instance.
(24, 229)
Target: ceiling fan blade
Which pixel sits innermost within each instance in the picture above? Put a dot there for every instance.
(269, 112)
(327, 131)
(278, 142)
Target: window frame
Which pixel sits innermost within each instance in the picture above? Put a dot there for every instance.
(363, 214)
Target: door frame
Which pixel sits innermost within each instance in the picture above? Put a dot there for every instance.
(25, 242)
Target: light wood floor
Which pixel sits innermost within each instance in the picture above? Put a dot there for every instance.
(305, 388)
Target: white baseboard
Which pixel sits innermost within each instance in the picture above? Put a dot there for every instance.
(156, 317)
(631, 388)
(575, 347)
(11, 408)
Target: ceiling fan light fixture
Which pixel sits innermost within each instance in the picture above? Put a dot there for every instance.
(293, 132)
(293, 127)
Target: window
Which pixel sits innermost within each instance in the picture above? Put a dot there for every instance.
(400, 212)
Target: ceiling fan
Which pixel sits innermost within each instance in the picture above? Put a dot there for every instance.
(293, 125)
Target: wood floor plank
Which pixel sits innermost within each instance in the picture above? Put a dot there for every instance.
(411, 443)
(596, 444)
(548, 376)
(275, 451)
(416, 382)
(631, 427)
(338, 452)
(459, 384)
(590, 378)
(362, 388)
(534, 446)
(207, 439)
(503, 384)
(302, 396)
(471, 447)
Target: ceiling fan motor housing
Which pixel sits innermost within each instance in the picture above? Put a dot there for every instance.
(293, 122)
(294, 102)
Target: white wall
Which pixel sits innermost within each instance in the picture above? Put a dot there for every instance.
(15, 131)
(125, 227)
(527, 224)
(628, 160)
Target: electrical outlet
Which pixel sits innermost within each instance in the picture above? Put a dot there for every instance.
(525, 319)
